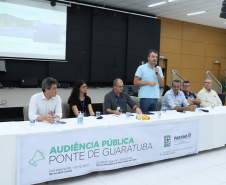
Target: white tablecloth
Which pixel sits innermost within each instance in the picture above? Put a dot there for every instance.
(212, 132)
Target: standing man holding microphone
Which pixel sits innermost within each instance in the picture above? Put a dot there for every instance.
(149, 77)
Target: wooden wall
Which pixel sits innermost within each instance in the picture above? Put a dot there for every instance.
(192, 49)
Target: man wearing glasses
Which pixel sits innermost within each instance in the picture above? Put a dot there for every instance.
(190, 96)
(115, 102)
(208, 96)
(174, 99)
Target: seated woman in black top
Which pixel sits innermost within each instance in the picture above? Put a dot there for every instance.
(78, 101)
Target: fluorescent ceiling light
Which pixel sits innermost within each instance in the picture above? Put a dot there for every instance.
(169, 1)
(196, 13)
(157, 4)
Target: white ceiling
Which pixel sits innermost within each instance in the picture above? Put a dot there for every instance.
(174, 10)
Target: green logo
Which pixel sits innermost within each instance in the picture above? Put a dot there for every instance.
(167, 141)
(37, 157)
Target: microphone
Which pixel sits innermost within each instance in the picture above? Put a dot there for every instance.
(156, 66)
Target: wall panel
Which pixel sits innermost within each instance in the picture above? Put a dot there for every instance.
(193, 48)
(193, 34)
(170, 45)
(192, 62)
(215, 50)
(193, 74)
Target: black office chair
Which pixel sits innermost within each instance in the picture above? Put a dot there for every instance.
(166, 88)
(222, 97)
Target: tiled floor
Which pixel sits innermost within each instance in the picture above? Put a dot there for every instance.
(207, 168)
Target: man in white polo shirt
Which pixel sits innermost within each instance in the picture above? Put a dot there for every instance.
(208, 96)
(46, 105)
(149, 77)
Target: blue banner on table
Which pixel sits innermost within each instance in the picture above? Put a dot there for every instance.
(46, 157)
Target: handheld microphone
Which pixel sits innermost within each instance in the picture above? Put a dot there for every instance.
(182, 111)
(156, 66)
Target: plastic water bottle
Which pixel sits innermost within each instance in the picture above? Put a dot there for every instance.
(80, 118)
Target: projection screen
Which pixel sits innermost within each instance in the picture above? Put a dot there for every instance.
(32, 29)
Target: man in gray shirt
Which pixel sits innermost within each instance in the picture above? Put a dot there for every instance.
(115, 102)
(174, 99)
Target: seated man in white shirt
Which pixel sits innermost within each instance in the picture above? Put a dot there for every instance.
(208, 96)
(46, 105)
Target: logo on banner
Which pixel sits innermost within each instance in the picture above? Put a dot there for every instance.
(189, 134)
(167, 141)
(182, 137)
(37, 157)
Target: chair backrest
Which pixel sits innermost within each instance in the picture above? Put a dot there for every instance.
(25, 112)
(65, 109)
(222, 97)
(166, 88)
(136, 100)
(98, 107)
(159, 104)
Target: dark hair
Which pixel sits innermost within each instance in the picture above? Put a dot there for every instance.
(47, 83)
(186, 82)
(152, 50)
(75, 90)
(177, 81)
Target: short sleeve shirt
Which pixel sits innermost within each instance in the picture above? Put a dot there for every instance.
(111, 101)
(146, 73)
(81, 105)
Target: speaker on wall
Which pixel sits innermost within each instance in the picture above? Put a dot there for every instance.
(132, 90)
(63, 85)
(29, 82)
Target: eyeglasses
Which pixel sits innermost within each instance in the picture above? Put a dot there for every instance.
(207, 82)
(119, 86)
(186, 85)
(84, 87)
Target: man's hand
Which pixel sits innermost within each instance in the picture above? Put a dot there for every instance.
(157, 70)
(138, 111)
(117, 112)
(190, 102)
(50, 117)
(191, 108)
(152, 83)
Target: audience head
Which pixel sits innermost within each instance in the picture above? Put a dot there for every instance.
(176, 86)
(152, 56)
(186, 86)
(118, 86)
(49, 87)
(208, 84)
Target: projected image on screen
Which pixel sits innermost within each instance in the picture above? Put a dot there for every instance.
(30, 32)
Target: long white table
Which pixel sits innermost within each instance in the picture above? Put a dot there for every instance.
(212, 133)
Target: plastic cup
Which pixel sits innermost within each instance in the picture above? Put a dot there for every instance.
(97, 114)
(164, 110)
(127, 115)
(159, 114)
(32, 122)
(199, 110)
